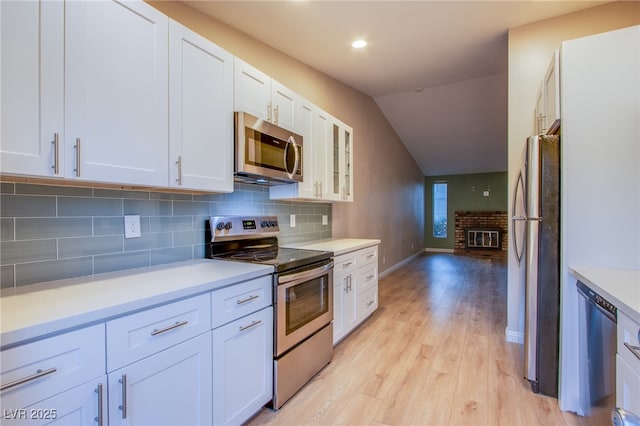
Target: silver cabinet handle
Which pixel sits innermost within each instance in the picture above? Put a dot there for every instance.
(315, 189)
(634, 349)
(179, 163)
(56, 153)
(369, 256)
(269, 113)
(253, 324)
(99, 392)
(347, 264)
(369, 303)
(248, 299)
(38, 374)
(77, 147)
(370, 277)
(155, 332)
(276, 115)
(123, 407)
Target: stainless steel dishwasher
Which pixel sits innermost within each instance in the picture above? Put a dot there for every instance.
(597, 340)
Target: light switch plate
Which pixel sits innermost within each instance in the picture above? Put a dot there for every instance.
(325, 219)
(292, 220)
(132, 226)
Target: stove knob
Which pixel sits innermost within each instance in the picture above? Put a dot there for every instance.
(274, 223)
(228, 225)
(220, 226)
(264, 224)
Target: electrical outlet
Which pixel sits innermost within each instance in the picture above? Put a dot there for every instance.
(132, 226)
(485, 193)
(292, 220)
(325, 219)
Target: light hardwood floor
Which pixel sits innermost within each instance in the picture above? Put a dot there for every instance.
(434, 353)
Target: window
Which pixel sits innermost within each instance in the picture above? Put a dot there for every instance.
(440, 209)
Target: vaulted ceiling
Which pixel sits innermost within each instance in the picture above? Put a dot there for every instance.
(437, 69)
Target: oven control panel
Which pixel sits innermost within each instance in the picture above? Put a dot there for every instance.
(238, 227)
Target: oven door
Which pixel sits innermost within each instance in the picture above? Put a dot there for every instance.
(304, 305)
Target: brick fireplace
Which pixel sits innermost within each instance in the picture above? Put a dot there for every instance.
(481, 233)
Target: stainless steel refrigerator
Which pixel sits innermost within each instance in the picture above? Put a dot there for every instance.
(536, 240)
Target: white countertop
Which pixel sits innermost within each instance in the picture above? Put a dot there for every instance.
(337, 246)
(71, 303)
(619, 286)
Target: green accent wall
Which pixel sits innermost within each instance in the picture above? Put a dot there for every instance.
(464, 193)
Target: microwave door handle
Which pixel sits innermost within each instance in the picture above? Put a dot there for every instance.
(292, 142)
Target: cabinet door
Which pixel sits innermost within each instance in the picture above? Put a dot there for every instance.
(116, 79)
(321, 151)
(284, 103)
(539, 111)
(340, 162)
(172, 387)
(344, 305)
(627, 386)
(200, 112)
(242, 367)
(252, 90)
(32, 87)
(552, 94)
(84, 405)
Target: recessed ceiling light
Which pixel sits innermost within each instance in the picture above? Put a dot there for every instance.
(358, 44)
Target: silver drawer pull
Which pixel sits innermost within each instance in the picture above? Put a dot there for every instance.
(123, 407)
(369, 303)
(248, 299)
(253, 324)
(37, 375)
(344, 265)
(99, 391)
(171, 327)
(634, 349)
(370, 277)
(369, 256)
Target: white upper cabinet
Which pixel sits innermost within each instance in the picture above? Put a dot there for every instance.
(116, 92)
(200, 112)
(261, 96)
(341, 162)
(32, 87)
(313, 127)
(548, 98)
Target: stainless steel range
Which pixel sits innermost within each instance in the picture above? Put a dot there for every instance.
(302, 295)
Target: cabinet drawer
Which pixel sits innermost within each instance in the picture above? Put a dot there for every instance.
(239, 300)
(367, 277)
(627, 386)
(345, 263)
(136, 336)
(629, 333)
(367, 303)
(38, 370)
(367, 255)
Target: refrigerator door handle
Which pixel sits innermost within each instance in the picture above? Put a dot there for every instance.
(519, 218)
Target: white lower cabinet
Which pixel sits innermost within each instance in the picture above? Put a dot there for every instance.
(53, 379)
(355, 289)
(84, 405)
(171, 387)
(242, 367)
(344, 305)
(628, 364)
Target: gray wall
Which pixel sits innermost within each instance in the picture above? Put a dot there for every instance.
(58, 232)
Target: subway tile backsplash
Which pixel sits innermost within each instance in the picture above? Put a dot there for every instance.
(58, 232)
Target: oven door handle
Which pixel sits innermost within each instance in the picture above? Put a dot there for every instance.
(313, 273)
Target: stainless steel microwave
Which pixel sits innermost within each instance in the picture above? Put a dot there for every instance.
(265, 153)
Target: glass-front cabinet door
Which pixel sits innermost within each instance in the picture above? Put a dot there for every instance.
(341, 162)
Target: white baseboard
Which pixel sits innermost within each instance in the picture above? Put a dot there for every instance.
(437, 250)
(513, 336)
(397, 266)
